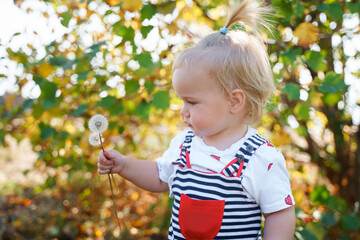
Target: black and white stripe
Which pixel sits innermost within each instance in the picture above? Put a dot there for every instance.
(242, 216)
(244, 153)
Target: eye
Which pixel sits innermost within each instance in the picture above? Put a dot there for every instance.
(191, 102)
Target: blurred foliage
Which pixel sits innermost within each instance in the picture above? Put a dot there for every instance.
(115, 59)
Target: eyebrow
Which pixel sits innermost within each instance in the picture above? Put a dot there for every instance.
(189, 98)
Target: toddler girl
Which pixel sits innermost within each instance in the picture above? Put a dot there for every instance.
(223, 175)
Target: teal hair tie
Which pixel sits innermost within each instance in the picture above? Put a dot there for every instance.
(224, 30)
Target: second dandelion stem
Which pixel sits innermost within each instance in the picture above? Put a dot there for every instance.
(111, 188)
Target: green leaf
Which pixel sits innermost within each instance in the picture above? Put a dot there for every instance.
(50, 183)
(322, 7)
(166, 7)
(320, 194)
(301, 111)
(145, 30)
(2, 137)
(299, 9)
(142, 110)
(83, 66)
(289, 57)
(337, 204)
(127, 34)
(80, 110)
(284, 8)
(302, 131)
(106, 102)
(116, 109)
(329, 219)
(147, 66)
(335, 10)
(354, 7)
(66, 16)
(331, 99)
(131, 86)
(149, 85)
(46, 132)
(292, 90)
(350, 222)
(316, 229)
(28, 103)
(147, 12)
(332, 83)
(144, 59)
(306, 234)
(61, 61)
(83, 75)
(315, 61)
(48, 92)
(271, 106)
(96, 47)
(161, 100)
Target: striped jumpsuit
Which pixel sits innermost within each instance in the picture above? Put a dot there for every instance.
(214, 205)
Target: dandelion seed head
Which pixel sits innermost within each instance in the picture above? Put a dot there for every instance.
(98, 123)
(94, 139)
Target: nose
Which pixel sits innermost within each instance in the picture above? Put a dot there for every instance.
(184, 111)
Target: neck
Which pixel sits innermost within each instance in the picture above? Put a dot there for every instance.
(227, 138)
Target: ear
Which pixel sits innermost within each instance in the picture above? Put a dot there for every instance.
(237, 101)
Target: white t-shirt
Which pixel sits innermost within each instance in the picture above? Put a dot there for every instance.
(265, 178)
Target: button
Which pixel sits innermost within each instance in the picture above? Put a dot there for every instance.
(240, 158)
(249, 148)
(183, 149)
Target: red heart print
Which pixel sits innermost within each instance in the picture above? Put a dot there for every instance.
(288, 200)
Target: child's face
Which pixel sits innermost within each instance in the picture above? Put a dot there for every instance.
(205, 107)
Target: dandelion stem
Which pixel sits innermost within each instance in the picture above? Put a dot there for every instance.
(112, 176)
(112, 196)
(111, 188)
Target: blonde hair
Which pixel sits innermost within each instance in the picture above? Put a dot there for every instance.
(238, 59)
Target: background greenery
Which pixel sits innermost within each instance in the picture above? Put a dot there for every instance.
(122, 69)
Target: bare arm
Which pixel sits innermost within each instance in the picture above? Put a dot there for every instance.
(280, 225)
(143, 173)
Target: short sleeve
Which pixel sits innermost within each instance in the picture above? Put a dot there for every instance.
(268, 180)
(164, 163)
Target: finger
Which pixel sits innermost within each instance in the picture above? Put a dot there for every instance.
(108, 153)
(100, 171)
(105, 167)
(103, 160)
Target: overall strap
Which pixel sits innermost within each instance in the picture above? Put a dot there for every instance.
(184, 159)
(238, 164)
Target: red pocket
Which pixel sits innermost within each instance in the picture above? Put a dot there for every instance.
(200, 219)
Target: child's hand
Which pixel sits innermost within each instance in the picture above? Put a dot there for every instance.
(112, 161)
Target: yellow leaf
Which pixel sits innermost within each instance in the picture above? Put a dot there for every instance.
(322, 117)
(298, 196)
(131, 5)
(280, 138)
(180, 4)
(307, 34)
(173, 29)
(217, 13)
(315, 100)
(136, 223)
(187, 16)
(45, 69)
(98, 233)
(112, 3)
(9, 102)
(134, 196)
